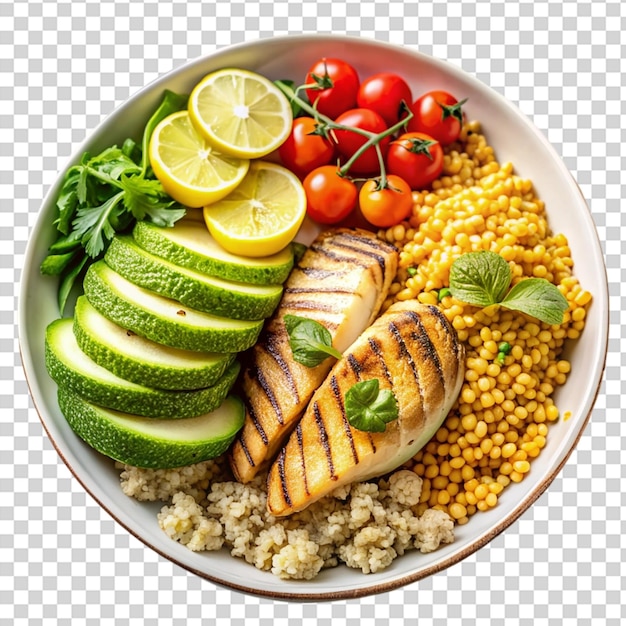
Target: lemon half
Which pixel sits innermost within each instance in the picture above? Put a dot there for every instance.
(192, 171)
(262, 215)
(240, 112)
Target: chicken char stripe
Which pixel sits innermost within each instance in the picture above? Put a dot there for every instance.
(334, 385)
(272, 348)
(341, 282)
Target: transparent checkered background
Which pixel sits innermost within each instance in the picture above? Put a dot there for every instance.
(65, 65)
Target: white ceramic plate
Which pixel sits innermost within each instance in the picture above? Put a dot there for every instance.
(514, 138)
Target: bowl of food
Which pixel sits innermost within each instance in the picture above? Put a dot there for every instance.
(327, 405)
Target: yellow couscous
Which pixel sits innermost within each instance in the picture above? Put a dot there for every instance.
(513, 362)
(498, 425)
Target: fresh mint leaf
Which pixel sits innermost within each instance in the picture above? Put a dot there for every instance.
(370, 408)
(310, 342)
(538, 298)
(480, 278)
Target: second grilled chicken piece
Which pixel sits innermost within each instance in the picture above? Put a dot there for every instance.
(413, 351)
(341, 282)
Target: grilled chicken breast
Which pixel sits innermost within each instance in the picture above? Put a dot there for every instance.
(341, 282)
(412, 350)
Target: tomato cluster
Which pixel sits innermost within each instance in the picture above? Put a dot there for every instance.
(367, 143)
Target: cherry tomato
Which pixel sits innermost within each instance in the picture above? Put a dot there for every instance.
(348, 142)
(415, 157)
(388, 206)
(330, 196)
(438, 114)
(337, 84)
(384, 93)
(304, 150)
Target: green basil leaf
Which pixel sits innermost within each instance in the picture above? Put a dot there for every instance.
(370, 408)
(310, 342)
(538, 298)
(480, 278)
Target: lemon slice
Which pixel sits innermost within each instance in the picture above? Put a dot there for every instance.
(241, 113)
(189, 168)
(262, 215)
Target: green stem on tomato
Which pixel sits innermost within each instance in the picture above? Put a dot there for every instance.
(373, 139)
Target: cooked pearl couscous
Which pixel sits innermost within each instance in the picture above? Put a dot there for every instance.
(498, 425)
(513, 362)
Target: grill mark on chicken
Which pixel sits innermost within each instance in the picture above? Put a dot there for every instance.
(271, 348)
(358, 370)
(452, 336)
(242, 443)
(428, 350)
(312, 305)
(301, 448)
(367, 241)
(258, 427)
(375, 346)
(283, 478)
(319, 420)
(404, 352)
(377, 256)
(319, 273)
(355, 365)
(329, 254)
(334, 385)
(267, 389)
(317, 289)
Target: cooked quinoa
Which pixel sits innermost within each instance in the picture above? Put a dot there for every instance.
(364, 525)
(488, 440)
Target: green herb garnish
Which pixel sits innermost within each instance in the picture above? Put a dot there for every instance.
(504, 347)
(103, 195)
(370, 408)
(483, 278)
(443, 293)
(310, 342)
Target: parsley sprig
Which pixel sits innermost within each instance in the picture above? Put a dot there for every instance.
(105, 194)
